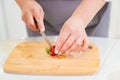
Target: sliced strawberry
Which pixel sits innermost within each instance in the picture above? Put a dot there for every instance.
(52, 51)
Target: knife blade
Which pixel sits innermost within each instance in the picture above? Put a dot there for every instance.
(43, 34)
(45, 38)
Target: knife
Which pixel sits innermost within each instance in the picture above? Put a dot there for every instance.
(45, 38)
(43, 34)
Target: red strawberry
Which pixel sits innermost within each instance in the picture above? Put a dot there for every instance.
(52, 52)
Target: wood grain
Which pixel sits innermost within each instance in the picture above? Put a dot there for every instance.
(31, 58)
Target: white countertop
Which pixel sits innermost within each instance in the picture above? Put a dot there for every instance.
(109, 61)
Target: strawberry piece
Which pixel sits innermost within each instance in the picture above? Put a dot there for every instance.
(52, 51)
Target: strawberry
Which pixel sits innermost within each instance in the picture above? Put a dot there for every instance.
(52, 51)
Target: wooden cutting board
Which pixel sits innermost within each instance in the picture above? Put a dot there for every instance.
(31, 58)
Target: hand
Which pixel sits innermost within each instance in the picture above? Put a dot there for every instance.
(72, 36)
(31, 11)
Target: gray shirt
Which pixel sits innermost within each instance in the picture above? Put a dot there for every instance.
(58, 11)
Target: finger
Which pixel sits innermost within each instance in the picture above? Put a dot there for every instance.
(39, 16)
(62, 29)
(68, 43)
(30, 22)
(61, 40)
(85, 44)
(76, 44)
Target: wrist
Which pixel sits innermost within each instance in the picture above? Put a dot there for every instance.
(81, 22)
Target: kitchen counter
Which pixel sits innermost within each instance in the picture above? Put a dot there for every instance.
(109, 61)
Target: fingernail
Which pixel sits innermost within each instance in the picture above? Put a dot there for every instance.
(59, 53)
(81, 52)
(56, 51)
(67, 52)
(42, 29)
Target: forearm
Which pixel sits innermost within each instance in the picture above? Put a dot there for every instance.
(22, 2)
(88, 9)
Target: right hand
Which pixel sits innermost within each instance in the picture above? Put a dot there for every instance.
(32, 10)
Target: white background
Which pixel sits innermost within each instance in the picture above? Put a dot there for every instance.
(3, 34)
(115, 20)
(12, 27)
(11, 21)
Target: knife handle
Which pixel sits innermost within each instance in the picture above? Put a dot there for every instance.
(36, 24)
(42, 33)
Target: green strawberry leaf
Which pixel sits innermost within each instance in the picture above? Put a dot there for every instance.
(47, 50)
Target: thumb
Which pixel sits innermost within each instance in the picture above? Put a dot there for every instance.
(41, 25)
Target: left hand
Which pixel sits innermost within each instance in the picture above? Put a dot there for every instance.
(72, 36)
